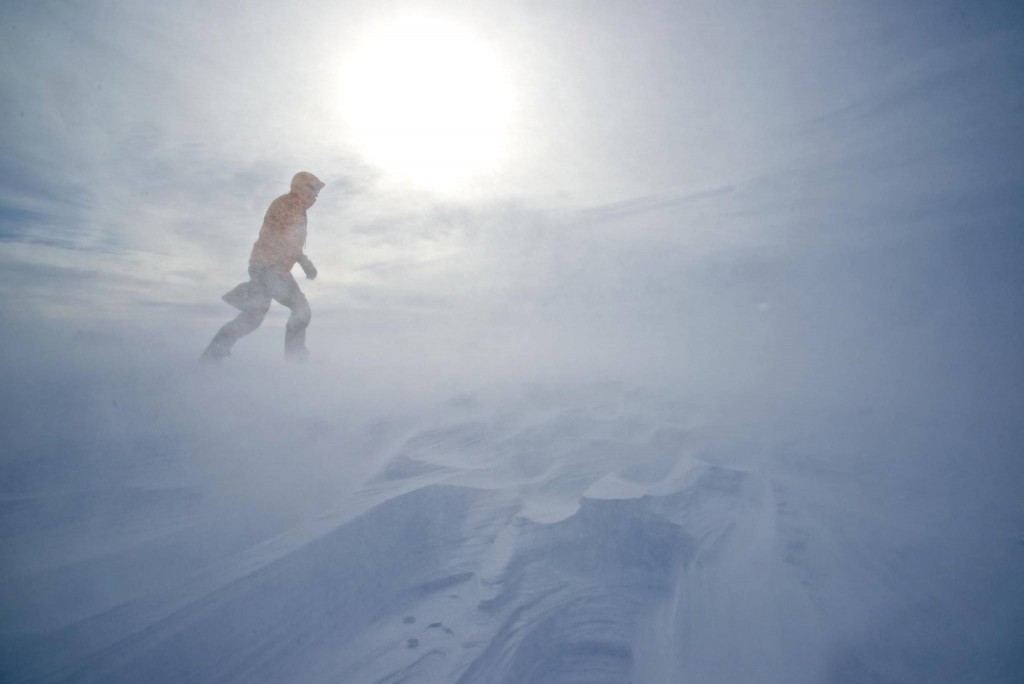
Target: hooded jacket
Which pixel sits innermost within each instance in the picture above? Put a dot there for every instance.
(283, 234)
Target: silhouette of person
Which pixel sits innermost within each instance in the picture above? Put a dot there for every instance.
(277, 249)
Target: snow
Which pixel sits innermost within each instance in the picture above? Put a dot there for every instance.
(591, 532)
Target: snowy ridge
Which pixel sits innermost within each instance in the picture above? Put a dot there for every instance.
(477, 565)
(614, 537)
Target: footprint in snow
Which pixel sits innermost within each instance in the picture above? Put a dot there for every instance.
(440, 625)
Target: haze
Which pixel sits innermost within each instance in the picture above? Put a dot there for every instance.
(709, 371)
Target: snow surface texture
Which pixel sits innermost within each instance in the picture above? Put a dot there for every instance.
(767, 430)
(170, 527)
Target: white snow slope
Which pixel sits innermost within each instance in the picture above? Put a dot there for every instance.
(599, 534)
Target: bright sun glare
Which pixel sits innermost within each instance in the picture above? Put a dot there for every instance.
(428, 101)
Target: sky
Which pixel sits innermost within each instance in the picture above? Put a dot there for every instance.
(141, 143)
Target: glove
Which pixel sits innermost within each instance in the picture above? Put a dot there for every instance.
(307, 266)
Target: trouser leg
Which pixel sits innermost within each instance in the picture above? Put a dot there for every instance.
(243, 324)
(295, 330)
(285, 290)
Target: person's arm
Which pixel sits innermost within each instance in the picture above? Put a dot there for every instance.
(307, 266)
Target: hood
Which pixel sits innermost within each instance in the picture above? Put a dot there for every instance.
(306, 186)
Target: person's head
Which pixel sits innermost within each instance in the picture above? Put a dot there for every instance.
(307, 186)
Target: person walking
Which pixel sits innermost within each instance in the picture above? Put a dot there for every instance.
(277, 249)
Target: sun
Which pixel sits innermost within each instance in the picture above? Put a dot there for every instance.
(427, 100)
